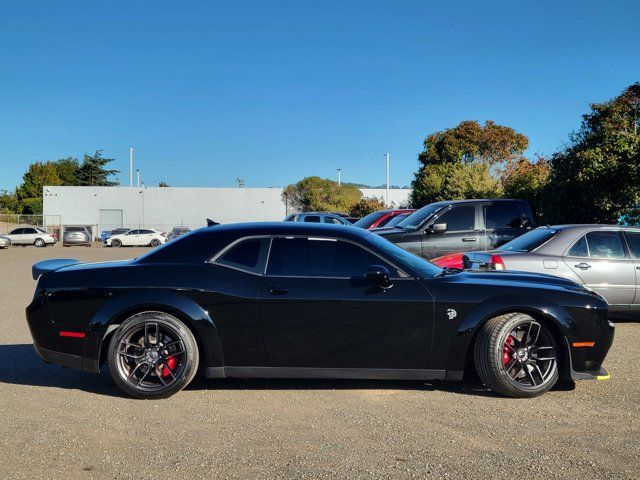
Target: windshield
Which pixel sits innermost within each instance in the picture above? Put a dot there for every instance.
(420, 265)
(417, 218)
(530, 240)
(396, 220)
(369, 220)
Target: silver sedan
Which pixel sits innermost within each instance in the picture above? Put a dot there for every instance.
(604, 258)
(4, 242)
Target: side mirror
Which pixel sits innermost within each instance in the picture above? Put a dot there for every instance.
(438, 228)
(379, 275)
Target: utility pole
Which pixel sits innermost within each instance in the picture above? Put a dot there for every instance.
(339, 178)
(131, 166)
(138, 173)
(387, 155)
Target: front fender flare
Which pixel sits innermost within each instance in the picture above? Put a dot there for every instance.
(536, 306)
(122, 306)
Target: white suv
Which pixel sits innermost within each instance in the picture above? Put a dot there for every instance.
(31, 236)
(141, 237)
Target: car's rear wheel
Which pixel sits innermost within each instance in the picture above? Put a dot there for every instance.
(116, 243)
(517, 356)
(155, 242)
(39, 242)
(153, 355)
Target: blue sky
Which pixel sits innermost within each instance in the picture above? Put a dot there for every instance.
(272, 91)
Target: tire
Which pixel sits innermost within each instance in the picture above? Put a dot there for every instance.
(116, 243)
(147, 371)
(39, 243)
(516, 356)
(155, 242)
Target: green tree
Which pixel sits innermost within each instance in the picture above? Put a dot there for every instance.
(163, 184)
(527, 180)
(68, 169)
(8, 202)
(29, 193)
(465, 161)
(596, 178)
(365, 206)
(318, 194)
(92, 171)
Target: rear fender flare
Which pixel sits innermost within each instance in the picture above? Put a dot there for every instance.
(536, 306)
(122, 306)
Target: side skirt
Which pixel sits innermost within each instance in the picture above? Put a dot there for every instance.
(336, 373)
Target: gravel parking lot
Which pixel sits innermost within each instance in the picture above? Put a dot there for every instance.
(57, 423)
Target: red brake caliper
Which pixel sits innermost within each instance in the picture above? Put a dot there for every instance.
(171, 364)
(506, 354)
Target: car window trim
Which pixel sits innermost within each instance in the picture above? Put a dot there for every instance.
(398, 269)
(214, 259)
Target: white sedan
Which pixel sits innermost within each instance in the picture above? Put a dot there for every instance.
(31, 236)
(138, 237)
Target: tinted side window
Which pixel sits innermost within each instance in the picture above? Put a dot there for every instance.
(605, 245)
(501, 215)
(144, 232)
(30, 231)
(17, 231)
(247, 255)
(332, 220)
(133, 232)
(302, 257)
(312, 218)
(459, 218)
(579, 249)
(634, 243)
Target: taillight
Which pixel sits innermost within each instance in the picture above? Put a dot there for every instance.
(497, 263)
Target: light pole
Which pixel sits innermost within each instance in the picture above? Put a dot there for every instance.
(131, 166)
(387, 155)
(339, 175)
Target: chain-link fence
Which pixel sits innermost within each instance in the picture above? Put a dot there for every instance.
(10, 221)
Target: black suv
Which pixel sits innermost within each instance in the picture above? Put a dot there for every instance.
(455, 226)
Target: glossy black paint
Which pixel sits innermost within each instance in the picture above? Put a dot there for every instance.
(427, 243)
(303, 326)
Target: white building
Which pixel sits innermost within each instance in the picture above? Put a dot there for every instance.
(106, 208)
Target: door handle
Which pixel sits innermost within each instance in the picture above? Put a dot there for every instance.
(583, 266)
(469, 239)
(277, 291)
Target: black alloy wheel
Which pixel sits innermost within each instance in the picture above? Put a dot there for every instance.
(517, 356)
(153, 355)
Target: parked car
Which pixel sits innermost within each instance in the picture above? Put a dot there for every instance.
(76, 235)
(288, 300)
(396, 220)
(108, 233)
(603, 258)
(177, 231)
(31, 236)
(4, 242)
(381, 218)
(139, 237)
(318, 217)
(456, 226)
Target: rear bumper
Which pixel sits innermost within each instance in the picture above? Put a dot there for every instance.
(58, 358)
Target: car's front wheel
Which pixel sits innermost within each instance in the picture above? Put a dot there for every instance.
(517, 356)
(155, 242)
(153, 355)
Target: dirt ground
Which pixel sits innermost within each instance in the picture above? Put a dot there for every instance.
(59, 423)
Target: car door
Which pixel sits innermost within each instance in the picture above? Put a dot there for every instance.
(131, 238)
(145, 237)
(633, 240)
(318, 311)
(29, 236)
(461, 234)
(599, 258)
(503, 221)
(17, 236)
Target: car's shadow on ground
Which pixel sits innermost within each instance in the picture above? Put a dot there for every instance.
(22, 366)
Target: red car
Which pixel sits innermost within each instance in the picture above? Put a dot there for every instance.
(381, 218)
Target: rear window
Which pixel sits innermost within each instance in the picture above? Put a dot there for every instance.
(312, 218)
(74, 229)
(370, 219)
(530, 240)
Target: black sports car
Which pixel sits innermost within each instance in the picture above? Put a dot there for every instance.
(301, 300)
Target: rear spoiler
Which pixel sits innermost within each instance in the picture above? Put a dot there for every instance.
(52, 265)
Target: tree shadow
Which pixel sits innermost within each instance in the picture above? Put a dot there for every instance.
(22, 366)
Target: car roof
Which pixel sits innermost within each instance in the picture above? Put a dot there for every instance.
(591, 226)
(290, 228)
(477, 200)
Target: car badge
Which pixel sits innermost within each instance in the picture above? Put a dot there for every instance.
(451, 313)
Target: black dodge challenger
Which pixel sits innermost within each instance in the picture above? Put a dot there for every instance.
(291, 300)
